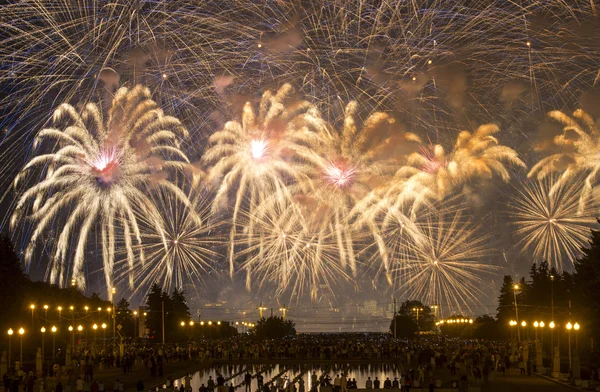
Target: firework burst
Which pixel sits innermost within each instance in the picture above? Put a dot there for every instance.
(186, 250)
(549, 222)
(246, 157)
(99, 173)
(283, 254)
(579, 154)
(432, 174)
(449, 267)
(339, 168)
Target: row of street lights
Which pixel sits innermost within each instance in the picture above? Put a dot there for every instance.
(10, 334)
(43, 330)
(540, 324)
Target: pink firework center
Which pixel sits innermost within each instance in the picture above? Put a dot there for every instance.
(105, 166)
(434, 163)
(258, 148)
(340, 176)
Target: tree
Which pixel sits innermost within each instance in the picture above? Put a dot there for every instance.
(273, 327)
(586, 280)
(154, 304)
(406, 326)
(505, 310)
(178, 312)
(424, 318)
(12, 280)
(124, 318)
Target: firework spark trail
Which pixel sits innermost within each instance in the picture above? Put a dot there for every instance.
(448, 267)
(191, 241)
(283, 253)
(99, 173)
(548, 220)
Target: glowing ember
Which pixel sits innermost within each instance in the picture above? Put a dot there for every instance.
(258, 148)
(339, 177)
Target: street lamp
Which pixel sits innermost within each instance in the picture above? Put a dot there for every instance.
(21, 332)
(569, 328)
(260, 310)
(283, 310)
(32, 307)
(417, 310)
(95, 327)
(46, 312)
(515, 288)
(43, 329)
(114, 291)
(512, 323)
(524, 325)
(10, 334)
(135, 321)
(53, 329)
(104, 335)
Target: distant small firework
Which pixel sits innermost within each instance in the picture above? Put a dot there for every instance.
(100, 174)
(579, 154)
(448, 268)
(549, 222)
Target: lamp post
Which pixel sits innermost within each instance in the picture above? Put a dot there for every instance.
(59, 314)
(53, 329)
(86, 308)
(418, 310)
(21, 332)
(95, 327)
(104, 335)
(72, 309)
(10, 334)
(260, 310)
(283, 310)
(72, 338)
(542, 325)
(512, 323)
(524, 325)
(576, 328)
(135, 321)
(535, 327)
(32, 307)
(43, 330)
(569, 328)
(114, 291)
(46, 312)
(515, 288)
(80, 329)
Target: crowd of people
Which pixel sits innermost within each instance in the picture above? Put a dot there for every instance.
(466, 359)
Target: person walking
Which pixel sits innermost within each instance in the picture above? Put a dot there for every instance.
(248, 381)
